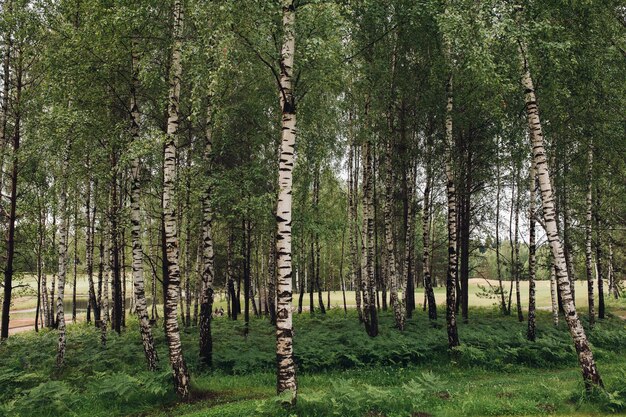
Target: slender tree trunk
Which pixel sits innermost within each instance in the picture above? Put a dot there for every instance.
(63, 227)
(368, 286)
(429, 294)
(613, 288)
(12, 215)
(503, 307)
(286, 369)
(247, 288)
(518, 266)
(553, 294)
(114, 250)
(104, 262)
(567, 243)
(40, 246)
(530, 334)
(355, 270)
(89, 232)
(208, 253)
(396, 302)
(172, 333)
(409, 238)
(341, 277)
(135, 219)
(199, 284)
(588, 237)
(101, 258)
(75, 258)
(453, 336)
(598, 221)
(591, 376)
(311, 278)
(188, 274)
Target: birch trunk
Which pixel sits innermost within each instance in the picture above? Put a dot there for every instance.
(135, 218)
(530, 334)
(428, 284)
(208, 255)
(63, 226)
(587, 363)
(553, 296)
(408, 242)
(518, 294)
(172, 333)
(453, 336)
(598, 222)
(355, 270)
(104, 311)
(613, 288)
(368, 286)
(286, 368)
(396, 302)
(588, 237)
(503, 307)
(89, 249)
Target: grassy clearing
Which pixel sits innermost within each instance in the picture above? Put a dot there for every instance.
(341, 371)
(476, 295)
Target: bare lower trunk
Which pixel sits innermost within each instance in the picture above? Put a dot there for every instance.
(613, 288)
(394, 279)
(208, 255)
(588, 237)
(518, 266)
(63, 226)
(553, 296)
(355, 270)
(135, 219)
(453, 336)
(530, 334)
(286, 368)
(429, 294)
(590, 373)
(599, 255)
(503, 307)
(93, 305)
(368, 286)
(172, 333)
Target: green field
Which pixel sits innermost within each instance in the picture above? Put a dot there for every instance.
(336, 297)
(341, 371)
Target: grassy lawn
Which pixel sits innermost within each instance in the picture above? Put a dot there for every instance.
(476, 294)
(341, 371)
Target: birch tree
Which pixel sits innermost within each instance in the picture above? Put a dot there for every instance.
(172, 333)
(591, 376)
(286, 369)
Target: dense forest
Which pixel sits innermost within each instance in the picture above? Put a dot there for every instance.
(383, 186)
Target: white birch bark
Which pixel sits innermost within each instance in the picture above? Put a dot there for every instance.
(172, 332)
(135, 219)
(587, 363)
(453, 336)
(63, 226)
(588, 238)
(286, 369)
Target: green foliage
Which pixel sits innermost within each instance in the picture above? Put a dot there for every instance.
(342, 371)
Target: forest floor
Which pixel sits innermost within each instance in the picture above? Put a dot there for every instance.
(341, 371)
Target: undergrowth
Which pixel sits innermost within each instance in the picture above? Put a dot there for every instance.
(394, 374)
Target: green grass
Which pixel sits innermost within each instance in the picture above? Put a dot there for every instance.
(341, 371)
(476, 295)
